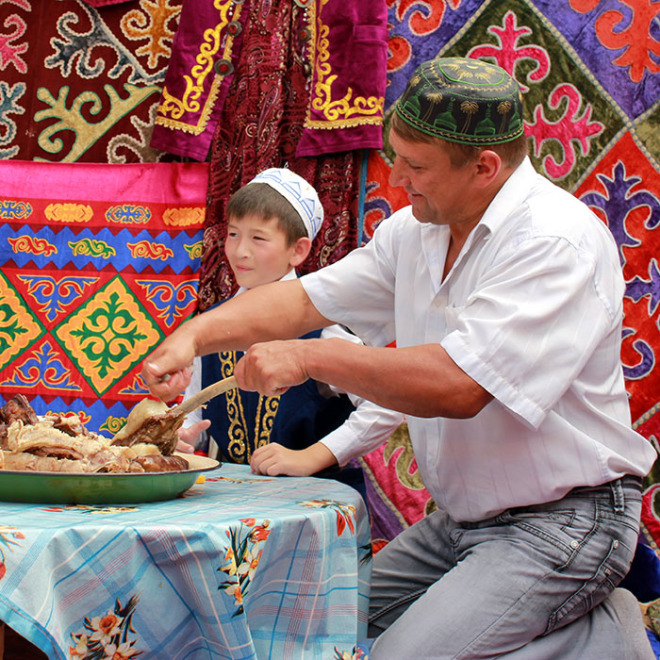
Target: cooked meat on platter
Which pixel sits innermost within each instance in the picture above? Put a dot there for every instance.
(155, 422)
(58, 443)
(152, 422)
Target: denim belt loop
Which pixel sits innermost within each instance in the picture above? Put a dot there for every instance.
(618, 499)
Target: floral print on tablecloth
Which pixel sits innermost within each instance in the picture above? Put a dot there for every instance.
(107, 636)
(242, 558)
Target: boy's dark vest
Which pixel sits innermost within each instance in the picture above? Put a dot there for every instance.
(242, 421)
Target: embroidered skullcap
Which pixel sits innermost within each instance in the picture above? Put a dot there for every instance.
(463, 100)
(298, 193)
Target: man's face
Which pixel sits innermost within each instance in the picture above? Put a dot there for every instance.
(439, 193)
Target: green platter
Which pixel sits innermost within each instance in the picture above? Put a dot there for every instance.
(110, 488)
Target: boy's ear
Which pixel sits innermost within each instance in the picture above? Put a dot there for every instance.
(301, 249)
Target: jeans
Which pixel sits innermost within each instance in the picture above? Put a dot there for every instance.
(444, 589)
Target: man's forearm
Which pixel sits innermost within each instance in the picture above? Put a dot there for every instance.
(268, 312)
(420, 380)
(280, 310)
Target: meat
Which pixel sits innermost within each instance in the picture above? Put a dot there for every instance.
(16, 409)
(162, 463)
(153, 421)
(160, 429)
(56, 443)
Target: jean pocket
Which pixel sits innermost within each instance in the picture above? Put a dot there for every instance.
(554, 529)
(593, 589)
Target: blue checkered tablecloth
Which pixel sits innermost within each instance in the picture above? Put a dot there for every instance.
(242, 566)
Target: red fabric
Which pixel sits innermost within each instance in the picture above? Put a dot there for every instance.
(346, 107)
(99, 263)
(331, 40)
(260, 126)
(198, 76)
(103, 3)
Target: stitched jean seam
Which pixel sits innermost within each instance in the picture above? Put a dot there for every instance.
(408, 598)
(599, 576)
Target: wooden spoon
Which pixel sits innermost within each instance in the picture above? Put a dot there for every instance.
(208, 393)
(141, 415)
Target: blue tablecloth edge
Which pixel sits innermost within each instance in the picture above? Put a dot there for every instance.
(30, 629)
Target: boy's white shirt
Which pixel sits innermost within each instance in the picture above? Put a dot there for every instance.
(365, 429)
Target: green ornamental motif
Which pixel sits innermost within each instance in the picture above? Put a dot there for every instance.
(109, 335)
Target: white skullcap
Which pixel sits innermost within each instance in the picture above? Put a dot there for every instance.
(298, 193)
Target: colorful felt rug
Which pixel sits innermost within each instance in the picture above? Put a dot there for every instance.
(80, 83)
(99, 263)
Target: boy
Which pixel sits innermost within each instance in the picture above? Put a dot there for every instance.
(271, 222)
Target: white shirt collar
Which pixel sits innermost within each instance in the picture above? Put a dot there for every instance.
(510, 196)
(291, 275)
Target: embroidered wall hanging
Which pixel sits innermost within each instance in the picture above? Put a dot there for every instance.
(99, 263)
(81, 81)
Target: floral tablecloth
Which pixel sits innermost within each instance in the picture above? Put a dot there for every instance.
(241, 566)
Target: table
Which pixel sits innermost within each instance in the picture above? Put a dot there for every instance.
(242, 567)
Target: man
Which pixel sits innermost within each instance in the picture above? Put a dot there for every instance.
(504, 295)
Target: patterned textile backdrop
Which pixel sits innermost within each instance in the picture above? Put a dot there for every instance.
(99, 262)
(83, 84)
(263, 122)
(590, 74)
(85, 81)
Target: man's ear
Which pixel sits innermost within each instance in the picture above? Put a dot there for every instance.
(301, 249)
(489, 165)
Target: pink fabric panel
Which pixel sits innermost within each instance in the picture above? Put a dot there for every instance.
(128, 182)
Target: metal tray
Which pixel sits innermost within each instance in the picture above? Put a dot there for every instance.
(91, 488)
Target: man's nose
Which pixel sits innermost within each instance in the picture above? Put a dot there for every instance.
(396, 177)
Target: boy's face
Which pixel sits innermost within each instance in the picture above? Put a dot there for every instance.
(257, 251)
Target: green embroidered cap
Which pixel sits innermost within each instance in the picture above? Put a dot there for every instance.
(463, 100)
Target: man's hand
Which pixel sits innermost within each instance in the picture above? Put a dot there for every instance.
(164, 384)
(274, 459)
(167, 370)
(271, 368)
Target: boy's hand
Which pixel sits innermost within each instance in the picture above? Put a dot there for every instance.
(184, 448)
(189, 436)
(274, 459)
